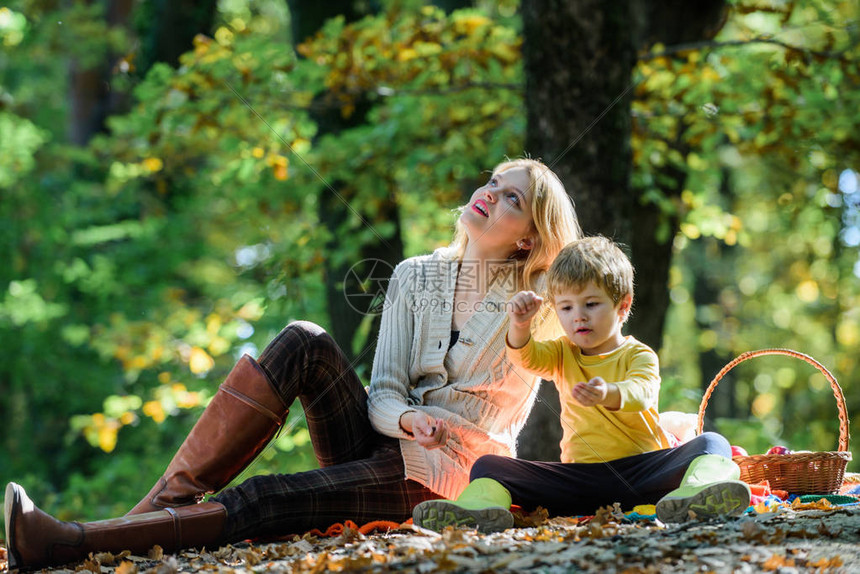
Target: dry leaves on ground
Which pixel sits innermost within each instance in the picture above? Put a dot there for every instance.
(787, 541)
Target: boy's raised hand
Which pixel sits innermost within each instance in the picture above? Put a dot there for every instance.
(522, 307)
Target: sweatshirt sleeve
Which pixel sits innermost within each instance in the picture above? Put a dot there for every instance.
(389, 380)
(640, 388)
(543, 359)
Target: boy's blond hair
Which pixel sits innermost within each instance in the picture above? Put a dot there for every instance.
(591, 259)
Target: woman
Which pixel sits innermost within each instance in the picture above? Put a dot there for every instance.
(441, 395)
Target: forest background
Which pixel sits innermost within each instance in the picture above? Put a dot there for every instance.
(178, 180)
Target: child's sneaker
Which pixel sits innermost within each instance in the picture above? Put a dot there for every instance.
(437, 514)
(710, 488)
(726, 498)
(483, 504)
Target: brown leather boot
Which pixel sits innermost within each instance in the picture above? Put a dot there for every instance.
(36, 540)
(239, 422)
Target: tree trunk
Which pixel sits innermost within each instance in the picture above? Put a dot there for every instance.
(167, 29)
(90, 95)
(166, 32)
(579, 58)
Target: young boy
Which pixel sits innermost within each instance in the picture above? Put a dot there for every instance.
(609, 385)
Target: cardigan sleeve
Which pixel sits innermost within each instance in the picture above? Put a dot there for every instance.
(389, 380)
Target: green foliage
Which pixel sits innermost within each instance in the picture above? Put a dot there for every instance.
(758, 123)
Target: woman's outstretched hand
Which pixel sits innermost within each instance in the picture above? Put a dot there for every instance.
(429, 432)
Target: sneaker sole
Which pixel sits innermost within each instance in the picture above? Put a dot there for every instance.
(720, 499)
(438, 514)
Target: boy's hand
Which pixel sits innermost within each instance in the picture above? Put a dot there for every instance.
(592, 393)
(522, 307)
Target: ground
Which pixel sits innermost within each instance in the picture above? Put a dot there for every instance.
(808, 540)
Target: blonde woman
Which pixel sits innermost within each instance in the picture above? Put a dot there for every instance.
(441, 396)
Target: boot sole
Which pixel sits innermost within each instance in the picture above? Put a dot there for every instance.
(438, 514)
(11, 502)
(730, 498)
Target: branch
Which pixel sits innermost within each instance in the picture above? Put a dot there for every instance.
(670, 50)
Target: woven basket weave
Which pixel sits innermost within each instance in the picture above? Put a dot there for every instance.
(800, 473)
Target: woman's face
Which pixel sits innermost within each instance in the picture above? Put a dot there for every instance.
(499, 213)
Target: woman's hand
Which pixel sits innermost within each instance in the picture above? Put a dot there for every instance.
(429, 432)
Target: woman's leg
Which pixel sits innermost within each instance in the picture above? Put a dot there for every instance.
(304, 361)
(582, 488)
(301, 361)
(34, 539)
(361, 490)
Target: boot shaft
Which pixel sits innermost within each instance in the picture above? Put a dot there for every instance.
(35, 539)
(236, 426)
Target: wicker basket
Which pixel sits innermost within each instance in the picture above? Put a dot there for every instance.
(801, 473)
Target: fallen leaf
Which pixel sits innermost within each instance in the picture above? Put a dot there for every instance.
(777, 561)
(827, 563)
(536, 517)
(89, 565)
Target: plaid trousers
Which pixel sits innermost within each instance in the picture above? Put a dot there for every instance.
(362, 475)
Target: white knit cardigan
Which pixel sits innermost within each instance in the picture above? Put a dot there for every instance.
(482, 396)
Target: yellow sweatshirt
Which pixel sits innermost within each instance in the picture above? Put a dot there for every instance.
(597, 434)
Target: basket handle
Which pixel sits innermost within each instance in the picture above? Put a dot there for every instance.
(837, 390)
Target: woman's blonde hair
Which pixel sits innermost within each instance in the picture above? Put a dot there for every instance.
(553, 218)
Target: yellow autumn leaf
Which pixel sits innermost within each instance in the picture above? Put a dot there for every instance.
(281, 173)
(301, 145)
(187, 400)
(250, 311)
(107, 438)
(763, 405)
(200, 362)
(468, 24)
(155, 411)
(691, 230)
(224, 36)
(213, 324)
(218, 346)
(807, 291)
(848, 333)
(153, 164)
(406, 55)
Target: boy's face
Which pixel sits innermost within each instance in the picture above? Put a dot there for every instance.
(591, 320)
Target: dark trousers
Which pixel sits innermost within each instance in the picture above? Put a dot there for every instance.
(582, 488)
(362, 477)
